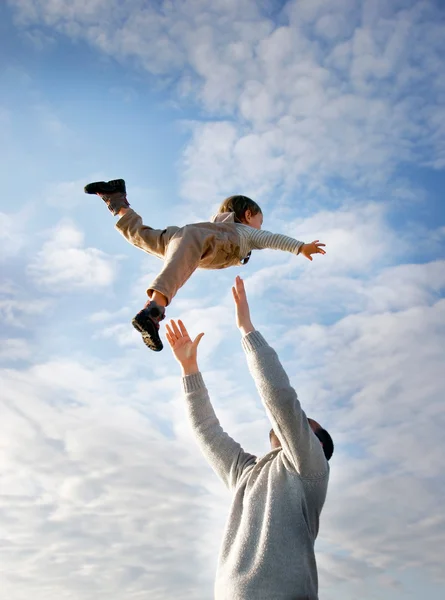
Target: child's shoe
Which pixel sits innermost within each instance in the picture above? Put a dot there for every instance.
(113, 193)
(147, 323)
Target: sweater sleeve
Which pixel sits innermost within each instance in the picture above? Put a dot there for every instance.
(226, 457)
(259, 239)
(299, 443)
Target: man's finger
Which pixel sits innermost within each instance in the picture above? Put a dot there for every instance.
(169, 334)
(170, 331)
(183, 328)
(169, 339)
(175, 329)
(198, 339)
(239, 284)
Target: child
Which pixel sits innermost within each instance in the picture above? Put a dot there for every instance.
(224, 242)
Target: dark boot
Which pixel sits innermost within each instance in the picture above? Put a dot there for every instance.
(113, 193)
(147, 323)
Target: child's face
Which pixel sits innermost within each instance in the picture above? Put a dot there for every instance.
(255, 221)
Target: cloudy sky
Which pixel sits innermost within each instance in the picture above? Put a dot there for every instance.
(332, 116)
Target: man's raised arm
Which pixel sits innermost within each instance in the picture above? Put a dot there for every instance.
(226, 457)
(299, 443)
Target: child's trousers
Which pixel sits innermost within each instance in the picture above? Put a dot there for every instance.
(183, 249)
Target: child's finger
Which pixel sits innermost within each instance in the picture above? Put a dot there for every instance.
(169, 331)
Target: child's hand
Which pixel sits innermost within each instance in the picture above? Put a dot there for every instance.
(184, 350)
(314, 247)
(242, 307)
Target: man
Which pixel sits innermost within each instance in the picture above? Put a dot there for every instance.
(267, 551)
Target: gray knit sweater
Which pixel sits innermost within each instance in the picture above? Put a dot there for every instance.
(267, 551)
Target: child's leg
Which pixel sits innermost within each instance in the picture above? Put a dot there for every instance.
(114, 194)
(158, 298)
(153, 241)
(183, 256)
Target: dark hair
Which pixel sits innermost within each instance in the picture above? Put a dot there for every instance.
(326, 440)
(239, 205)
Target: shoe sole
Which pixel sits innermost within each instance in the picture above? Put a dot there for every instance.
(150, 338)
(105, 187)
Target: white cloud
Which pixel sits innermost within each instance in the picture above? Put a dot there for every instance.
(122, 334)
(352, 109)
(13, 349)
(13, 237)
(64, 264)
(18, 308)
(403, 286)
(82, 448)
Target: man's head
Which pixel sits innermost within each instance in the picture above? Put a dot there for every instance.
(322, 435)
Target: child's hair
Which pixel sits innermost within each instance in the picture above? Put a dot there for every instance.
(239, 205)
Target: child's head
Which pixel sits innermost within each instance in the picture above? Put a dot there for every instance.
(246, 210)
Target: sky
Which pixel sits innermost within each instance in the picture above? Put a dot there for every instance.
(331, 115)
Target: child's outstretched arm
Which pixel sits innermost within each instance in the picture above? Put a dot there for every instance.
(226, 457)
(259, 239)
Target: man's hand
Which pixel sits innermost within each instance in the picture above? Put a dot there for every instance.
(314, 247)
(185, 351)
(242, 307)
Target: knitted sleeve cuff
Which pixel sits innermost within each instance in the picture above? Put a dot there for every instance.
(252, 341)
(193, 383)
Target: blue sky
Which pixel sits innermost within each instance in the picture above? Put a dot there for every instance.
(331, 115)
